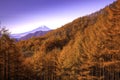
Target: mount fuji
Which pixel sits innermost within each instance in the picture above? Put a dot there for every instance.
(42, 29)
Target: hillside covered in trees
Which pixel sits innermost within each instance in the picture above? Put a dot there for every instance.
(88, 48)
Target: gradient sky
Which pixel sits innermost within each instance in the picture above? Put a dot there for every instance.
(24, 15)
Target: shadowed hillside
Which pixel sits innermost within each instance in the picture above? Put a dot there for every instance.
(88, 48)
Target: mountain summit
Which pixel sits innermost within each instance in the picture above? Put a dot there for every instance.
(41, 28)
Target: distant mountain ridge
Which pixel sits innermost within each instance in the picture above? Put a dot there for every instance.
(41, 28)
(35, 34)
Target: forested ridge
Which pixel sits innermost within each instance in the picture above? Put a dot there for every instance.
(88, 48)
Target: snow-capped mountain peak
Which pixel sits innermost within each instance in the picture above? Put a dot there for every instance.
(41, 28)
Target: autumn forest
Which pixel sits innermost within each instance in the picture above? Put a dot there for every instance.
(87, 48)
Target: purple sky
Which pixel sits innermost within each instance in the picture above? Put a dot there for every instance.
(24, 15)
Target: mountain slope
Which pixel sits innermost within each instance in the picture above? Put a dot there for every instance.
(86, 49)
(35, 34)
